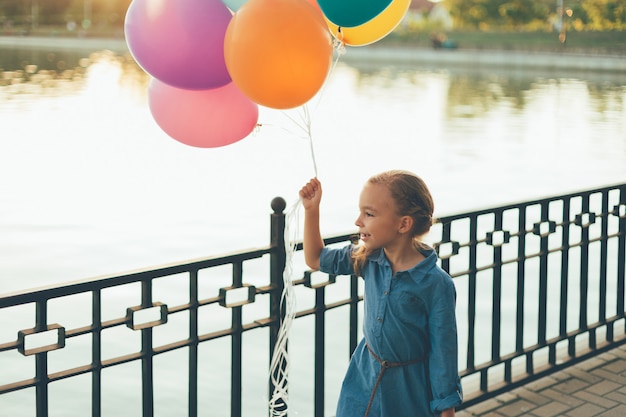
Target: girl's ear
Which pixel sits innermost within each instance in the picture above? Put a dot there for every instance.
(406, 224)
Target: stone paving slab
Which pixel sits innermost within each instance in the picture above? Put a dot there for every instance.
(593, 388)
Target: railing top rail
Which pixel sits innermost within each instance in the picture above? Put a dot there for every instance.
(111, 280)
(508, 206)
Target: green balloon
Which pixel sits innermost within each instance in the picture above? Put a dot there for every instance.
(350, 13)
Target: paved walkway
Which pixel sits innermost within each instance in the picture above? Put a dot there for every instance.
(593, 388)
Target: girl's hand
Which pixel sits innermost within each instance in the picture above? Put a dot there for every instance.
(313, 244)
(448, 413)
(311, 194)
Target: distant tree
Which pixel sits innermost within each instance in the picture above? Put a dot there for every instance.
(605, 14)
(521, 14)
(111, 12)
(14, 10)
(517, 13)
(479, 14)
(509, 14)
(53, 12)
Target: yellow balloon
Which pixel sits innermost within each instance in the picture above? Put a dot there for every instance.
(373, 30)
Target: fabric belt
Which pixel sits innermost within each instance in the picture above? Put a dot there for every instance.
(384, 365)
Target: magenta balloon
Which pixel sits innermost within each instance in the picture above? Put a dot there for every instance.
(202, 118)
(180, 42)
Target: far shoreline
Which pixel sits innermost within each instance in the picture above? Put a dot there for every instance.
(64, 43)
(377, 53)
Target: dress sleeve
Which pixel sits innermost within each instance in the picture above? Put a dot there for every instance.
(443, 358)
(337, 261)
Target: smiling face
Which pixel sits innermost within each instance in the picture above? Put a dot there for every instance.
(378, 221)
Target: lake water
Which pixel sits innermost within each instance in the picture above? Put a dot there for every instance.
(89, 184)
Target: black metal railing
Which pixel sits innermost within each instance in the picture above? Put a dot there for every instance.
(540, 286)
(555, 272)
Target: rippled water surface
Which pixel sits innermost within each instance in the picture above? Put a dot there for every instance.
(90, 184)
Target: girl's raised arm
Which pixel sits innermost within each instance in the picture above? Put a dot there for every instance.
(311, 195)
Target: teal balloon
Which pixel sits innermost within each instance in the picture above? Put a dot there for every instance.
(234, 5)
(350, 13)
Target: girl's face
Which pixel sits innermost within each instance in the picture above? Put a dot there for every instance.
(378, 221)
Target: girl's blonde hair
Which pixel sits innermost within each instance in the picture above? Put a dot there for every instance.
(412, 198)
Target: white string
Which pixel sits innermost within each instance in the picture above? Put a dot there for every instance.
(306, 126)
(279, 365)
(305, 122)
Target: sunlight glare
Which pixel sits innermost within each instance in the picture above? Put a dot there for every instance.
(103, 78)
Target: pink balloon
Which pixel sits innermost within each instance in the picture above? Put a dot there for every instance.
(180, 42)
(202, 118)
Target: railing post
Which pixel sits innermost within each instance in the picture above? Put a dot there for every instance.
(147, 352)
(41, 362)
(278, 260)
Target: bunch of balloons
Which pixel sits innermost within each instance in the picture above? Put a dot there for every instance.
(213, 62)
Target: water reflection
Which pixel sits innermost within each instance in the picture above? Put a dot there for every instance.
(473, 92)
(470, 93)
(12, 59)
(94, 180)
(39, 73)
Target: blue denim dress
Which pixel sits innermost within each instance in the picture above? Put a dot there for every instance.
(409, 318)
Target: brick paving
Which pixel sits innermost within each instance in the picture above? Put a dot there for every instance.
(593, 388)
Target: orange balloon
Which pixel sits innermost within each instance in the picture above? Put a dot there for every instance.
(278, 52)
(374, 30)
(314, 4)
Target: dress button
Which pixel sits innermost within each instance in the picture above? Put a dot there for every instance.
(386, 292)
(379, 319)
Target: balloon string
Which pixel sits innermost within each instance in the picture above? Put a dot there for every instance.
(306, 125)
(279, 365)
(312, 151)
(340, 49)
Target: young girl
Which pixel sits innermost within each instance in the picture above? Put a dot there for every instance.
(406, 365)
